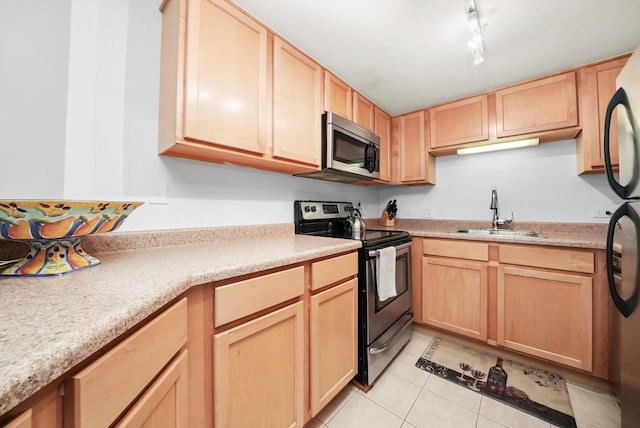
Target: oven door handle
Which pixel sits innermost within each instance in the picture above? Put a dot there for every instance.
(384, 347)
(399, 247)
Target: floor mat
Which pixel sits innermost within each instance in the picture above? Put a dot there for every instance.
(535, 391)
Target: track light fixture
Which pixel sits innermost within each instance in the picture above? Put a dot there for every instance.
(476, 42)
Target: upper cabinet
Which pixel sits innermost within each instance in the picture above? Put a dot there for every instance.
(231, 93)
(460, 122)
(297, 104)
(338, 96)
(597, 84)
(538, 106)
(383, 130)
(363, 111)
(413, 164)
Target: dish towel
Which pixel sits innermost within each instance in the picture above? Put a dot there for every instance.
(386, 273)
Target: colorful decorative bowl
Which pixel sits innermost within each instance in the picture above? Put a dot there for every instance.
(53, 229)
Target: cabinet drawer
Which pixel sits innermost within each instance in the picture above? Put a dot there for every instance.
(458, 249)
(21, 421)
(328, 271)
(243, 298)
(550, 258)
(98, 394)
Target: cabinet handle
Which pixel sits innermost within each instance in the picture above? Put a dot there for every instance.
(384, 347)
(625, 307)
(620, 98)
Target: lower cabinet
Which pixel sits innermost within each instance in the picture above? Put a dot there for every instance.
(454, 296)
(333, 342)
(165, 404)
(99, 394)
(21, 421)
(546, 302)
(284, 343)
(546, 314)
(258, 371)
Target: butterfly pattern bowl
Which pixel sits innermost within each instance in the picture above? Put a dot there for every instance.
(53, 230)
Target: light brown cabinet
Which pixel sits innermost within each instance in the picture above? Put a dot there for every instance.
(338, 96)
(97, 395)
(333, 341)
(546, 302)
(460, 122)
(546, 314)
(383, 130)
(258, 371)
(454, 291)
(297, 105)
(538, 106)
(165, 404)
(280, 352)
(412, 162)
(21, 421)
(363, 112)
(231, 92)
(597, 84)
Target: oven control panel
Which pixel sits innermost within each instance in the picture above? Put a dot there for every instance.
(315, 210)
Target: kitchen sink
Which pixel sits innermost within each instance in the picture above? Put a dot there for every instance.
(501, 232)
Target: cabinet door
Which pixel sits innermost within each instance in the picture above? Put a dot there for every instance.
(297, 105)
(542, 105)
(165, 404)
(333, 341)
(383, 130)
(454, 296)
(413, 153)
(546, 314)
(597, 86)
(21, 421)
(337, 96)
(102, 391)
(226, 77)
(460, 122)
(363, 113)
(258, 372)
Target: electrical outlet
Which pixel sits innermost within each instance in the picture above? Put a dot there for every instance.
(409, 213)
(602, 213)
(427, 212)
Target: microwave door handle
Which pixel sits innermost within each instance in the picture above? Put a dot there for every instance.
(370, 161)
(625, 307)
(619, 98)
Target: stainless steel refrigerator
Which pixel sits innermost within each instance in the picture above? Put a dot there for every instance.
(623, 258)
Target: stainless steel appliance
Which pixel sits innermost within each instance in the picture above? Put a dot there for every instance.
(623, 260)
(350, 153)
(384, 327)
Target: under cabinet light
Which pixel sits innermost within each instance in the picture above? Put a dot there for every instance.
(500, 146)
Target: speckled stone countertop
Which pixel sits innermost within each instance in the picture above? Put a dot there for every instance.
(576, 235)
(49, 325)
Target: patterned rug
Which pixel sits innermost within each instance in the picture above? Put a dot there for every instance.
(535, 391)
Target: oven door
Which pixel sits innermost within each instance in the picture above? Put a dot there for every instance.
(381, 315)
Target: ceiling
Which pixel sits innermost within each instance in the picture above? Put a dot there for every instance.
(408, 54)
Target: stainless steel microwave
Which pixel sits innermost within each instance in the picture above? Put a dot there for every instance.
(350, 153)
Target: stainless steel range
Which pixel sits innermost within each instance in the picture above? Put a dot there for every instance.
(384, 325)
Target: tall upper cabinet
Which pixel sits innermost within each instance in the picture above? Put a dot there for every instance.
(597, 85)
(230, 93)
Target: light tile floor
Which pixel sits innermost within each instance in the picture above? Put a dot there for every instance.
(408, 397)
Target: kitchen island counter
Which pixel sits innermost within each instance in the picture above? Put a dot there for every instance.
(51, 324)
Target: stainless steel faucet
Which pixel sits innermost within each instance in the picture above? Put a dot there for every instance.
(497, 221)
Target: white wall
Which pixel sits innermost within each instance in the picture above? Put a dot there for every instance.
(34, 60)
(536, 184)
(101, 105)
(79, 83)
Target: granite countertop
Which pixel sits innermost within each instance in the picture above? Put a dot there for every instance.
(576, 235)
(51, 324)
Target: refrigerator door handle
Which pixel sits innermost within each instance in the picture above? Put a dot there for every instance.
(619, 98)
(625, 307)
